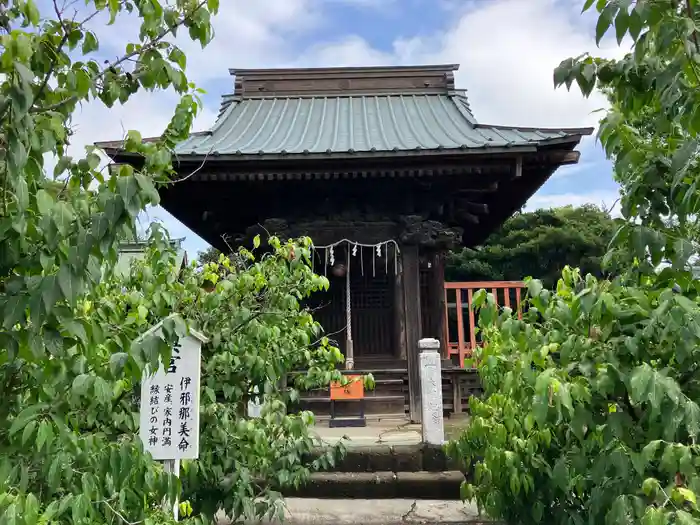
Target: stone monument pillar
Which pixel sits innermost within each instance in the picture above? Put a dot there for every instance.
(431, 392)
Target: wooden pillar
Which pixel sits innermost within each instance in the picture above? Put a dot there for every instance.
(399, 315)
(438, 286)
(412, 319)
(437, 299)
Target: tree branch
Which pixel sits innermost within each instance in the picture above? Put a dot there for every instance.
(113, 65)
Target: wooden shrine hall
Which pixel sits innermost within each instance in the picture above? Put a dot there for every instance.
(385, 168)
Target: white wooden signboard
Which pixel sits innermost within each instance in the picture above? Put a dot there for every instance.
(169, 418)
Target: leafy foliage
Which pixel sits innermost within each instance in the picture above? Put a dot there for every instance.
(70, 355)
(57, 238)
(259, 334)
(538, 244)
(651, 129)
(591, 411)
(210, 255)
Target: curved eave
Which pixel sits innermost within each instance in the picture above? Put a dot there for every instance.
(568, 143)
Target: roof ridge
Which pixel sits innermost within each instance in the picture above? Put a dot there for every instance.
(331, 81)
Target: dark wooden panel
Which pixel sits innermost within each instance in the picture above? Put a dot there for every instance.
(372, 313)
(372, 299)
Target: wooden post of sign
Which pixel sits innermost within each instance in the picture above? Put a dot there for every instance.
(172, 466)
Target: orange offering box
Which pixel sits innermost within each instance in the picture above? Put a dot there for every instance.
(355, 389)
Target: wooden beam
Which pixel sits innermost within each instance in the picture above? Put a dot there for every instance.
(467, 217)
(558, 157)
(486, 189)
(475, 207)
(412, 319)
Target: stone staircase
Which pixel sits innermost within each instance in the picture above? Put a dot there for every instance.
(382, 484)
(418, 471)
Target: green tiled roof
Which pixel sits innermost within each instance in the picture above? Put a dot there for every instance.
(357, 124)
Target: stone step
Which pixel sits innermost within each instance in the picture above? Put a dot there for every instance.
(397, 417)
(394, 458)
(308, 511)
(381, 485)
(375, 403)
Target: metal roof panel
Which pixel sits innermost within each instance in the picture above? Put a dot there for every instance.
(358, 123)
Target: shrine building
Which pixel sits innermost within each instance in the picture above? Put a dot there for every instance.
(386, 169)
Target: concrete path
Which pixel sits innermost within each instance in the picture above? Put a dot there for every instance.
(378, 512)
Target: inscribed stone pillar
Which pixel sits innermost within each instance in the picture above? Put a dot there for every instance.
(431, 392)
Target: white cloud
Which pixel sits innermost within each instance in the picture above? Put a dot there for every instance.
(507, 50)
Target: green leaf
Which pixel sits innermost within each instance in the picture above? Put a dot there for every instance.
(25, 416)
(82, 383)
(117, 362)
(44, 202)
(69, 283)
(560, 474)
(640, 383)
(24, 72)
(604, 21)
(28, 432)
(635, 24)
(62, 165)
(13, 310)
(537, 512)
(44, 435)
(75, 329)
(22, 194)
(621, 24)
(90, 43)
(683, 155)
(650, 450)
(31, 509)
(103, 392)
(687, 495)
(63, 217)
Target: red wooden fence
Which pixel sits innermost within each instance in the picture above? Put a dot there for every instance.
(459, 296)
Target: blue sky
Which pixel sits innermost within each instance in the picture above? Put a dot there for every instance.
(507, 50)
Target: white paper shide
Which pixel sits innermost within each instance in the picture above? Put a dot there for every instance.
(170, 403)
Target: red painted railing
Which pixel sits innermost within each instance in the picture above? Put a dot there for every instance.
(462, 338)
